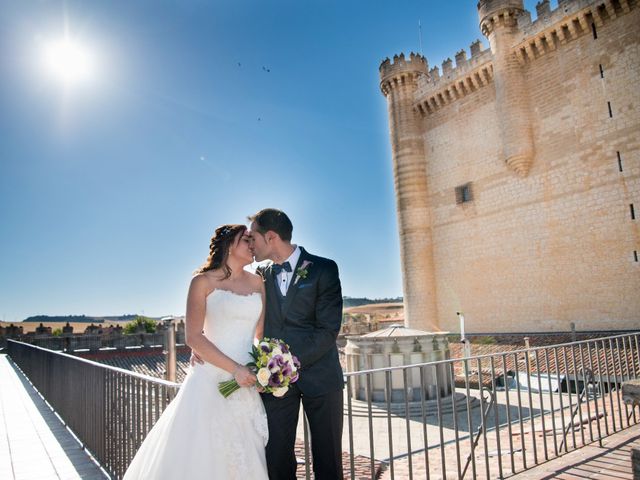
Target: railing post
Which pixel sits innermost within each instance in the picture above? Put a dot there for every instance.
(170, 349)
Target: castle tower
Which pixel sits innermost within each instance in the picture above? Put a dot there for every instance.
(398, 82)
(498, 22)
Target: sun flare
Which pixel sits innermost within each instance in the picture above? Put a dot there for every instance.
(68, 61)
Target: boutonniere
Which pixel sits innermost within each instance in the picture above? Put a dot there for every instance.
(302, 271)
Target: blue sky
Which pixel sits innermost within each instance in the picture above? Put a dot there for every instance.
(198, 113)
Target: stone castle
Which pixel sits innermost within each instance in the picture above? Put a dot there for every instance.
(517, 172)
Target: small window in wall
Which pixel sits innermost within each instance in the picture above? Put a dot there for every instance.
(464, 193)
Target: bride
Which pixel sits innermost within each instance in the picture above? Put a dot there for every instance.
(201, 434)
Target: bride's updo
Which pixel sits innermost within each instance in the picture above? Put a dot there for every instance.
(221, 242)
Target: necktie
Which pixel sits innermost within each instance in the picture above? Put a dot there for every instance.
(286, 266)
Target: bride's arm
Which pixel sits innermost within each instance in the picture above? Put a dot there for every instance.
(196, 304)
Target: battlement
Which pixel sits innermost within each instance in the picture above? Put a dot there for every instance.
(487, 8)
(450, 72)
(416, 64)
(495, 12)
(439, 86)
(468, 74)
(547, 17)
(571, 19)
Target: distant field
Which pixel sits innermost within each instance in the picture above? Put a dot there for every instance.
(381, 311)
(78, 327)
(375, 308)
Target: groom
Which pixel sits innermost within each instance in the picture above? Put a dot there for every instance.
(303, 308)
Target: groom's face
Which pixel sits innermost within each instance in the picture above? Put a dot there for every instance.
(259, 244)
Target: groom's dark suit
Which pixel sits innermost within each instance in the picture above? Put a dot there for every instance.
(308, 318)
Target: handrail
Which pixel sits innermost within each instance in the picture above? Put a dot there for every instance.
(123, 371)
(486, 355)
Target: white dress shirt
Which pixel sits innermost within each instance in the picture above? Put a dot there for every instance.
(284, 278)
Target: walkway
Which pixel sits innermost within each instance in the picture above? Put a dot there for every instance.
(611, 461)
(34, 444)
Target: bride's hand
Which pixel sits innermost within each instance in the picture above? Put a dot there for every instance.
(195, 358)
(244, 376)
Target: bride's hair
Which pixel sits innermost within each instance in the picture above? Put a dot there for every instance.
(221, 242)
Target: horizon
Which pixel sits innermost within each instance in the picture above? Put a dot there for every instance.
(85, 315)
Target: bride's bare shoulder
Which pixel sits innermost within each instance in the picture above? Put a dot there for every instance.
(205, 281)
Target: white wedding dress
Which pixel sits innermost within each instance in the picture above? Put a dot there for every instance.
(201, 434)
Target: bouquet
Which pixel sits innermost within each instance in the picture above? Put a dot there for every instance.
(274, 365)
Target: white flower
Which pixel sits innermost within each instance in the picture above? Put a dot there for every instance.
(279, 392)
(276, 351)
(263, 376)
(287, 357)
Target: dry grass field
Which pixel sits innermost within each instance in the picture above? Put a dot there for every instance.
(384, 312)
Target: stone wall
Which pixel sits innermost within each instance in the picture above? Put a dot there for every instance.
(556, 245)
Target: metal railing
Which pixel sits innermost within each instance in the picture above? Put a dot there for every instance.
(110, 410)
(492, 416)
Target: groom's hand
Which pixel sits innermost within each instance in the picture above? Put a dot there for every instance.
(195, 358)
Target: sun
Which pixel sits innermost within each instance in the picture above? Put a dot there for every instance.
(68, 61)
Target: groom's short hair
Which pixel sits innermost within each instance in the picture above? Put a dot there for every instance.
(272, 219)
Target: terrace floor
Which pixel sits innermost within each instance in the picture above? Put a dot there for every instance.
(611, 461)
(34, 444)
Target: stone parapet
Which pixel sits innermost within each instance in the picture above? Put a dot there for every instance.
(436, 82)
(434, 96)
(401, 71)
(564, 24)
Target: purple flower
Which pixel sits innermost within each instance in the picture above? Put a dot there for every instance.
(286, 370)
(273, 363)
(276, 361)
(275, 380)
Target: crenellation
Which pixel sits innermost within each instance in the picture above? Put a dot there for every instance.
(461, 59)
(402, 70)
(524, 20)
(447, 68)
(568, 22)
(543, 8)
(476, 48)
(437, 82)
(547, 17)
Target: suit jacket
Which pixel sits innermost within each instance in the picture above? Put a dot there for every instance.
(308, 319)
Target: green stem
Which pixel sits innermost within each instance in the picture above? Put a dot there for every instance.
(228, 387)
